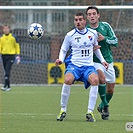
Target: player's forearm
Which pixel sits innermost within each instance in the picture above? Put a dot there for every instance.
(62, 55)
(17, 49)
(112, 41)
(111, 38)
(99, 55)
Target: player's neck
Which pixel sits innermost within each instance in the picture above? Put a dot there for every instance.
(7, 34)
(94, 26)
(82, 31)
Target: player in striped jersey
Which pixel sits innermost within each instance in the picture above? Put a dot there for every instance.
(79, 64)
(106, 39)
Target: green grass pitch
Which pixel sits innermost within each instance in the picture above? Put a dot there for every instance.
(33, 109)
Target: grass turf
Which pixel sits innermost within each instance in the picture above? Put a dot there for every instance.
(33, 109)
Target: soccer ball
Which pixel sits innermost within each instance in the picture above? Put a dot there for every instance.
(35, 31)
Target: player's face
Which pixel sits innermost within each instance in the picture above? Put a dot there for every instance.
(93, 17)
(79, 22)
(6, 30)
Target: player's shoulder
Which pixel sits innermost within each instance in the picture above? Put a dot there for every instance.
(13, 35)
(2, 36)
(104, 24)
(93, 31)
(71, 33)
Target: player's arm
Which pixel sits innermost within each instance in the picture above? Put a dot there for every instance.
(63, 51)
(99, 55)
(62, 56)
(18, 53)
(0, 49)
(17, 49)
(111, 38)
(96, 47)
(0, 45)
(17, 46)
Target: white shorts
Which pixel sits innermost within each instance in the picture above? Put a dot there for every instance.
(109, 74)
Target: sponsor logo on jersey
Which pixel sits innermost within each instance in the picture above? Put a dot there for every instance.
(85, 43)
(78, 38)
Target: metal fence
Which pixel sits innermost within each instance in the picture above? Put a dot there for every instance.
(36, 54)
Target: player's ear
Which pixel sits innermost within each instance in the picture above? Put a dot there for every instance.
(98, 15)
(85, 20)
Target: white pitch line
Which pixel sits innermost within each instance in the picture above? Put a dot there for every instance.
(47, 114)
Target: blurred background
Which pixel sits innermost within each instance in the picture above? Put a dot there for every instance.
(38, 56)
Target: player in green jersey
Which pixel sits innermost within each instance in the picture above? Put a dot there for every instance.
(106, 39)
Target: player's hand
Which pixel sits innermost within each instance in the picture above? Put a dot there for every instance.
(18, 59)
(106, 65)
(100, 37)
(96, 47)
(58, 62)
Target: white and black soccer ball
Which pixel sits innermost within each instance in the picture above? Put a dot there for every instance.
(35, 31)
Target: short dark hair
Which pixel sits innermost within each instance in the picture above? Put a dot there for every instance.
(92, 7)
(81, 14)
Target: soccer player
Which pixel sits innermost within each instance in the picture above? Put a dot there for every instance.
(79, 64)
(9, 50)
(106, 39)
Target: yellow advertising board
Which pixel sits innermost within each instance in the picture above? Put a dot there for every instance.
(118, 66)
(56, 73)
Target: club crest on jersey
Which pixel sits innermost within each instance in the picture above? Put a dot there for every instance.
(77, 38)
(90, 38)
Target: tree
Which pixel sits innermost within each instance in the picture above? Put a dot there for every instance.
(55, 73)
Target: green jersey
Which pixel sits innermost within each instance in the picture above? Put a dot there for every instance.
(110, 40)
